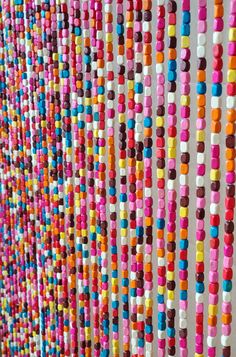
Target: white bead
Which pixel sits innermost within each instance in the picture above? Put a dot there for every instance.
(120, 60)
(171, 184)
(146, 26)
(86, 33)
(183, 180)
(211, 341)
(122, 172)
(147, 70)
(200, 158)
(148, 192)
(100, 72)
(110, 123)
(138, 77)
(184, 146)
(140, 301)
(110, 85)
(170, 304)
(199, 298)
(147, 91)
(110, 104)
(139, 118)
(109, 66)
(214, 208)
(112, 207)
(182, 323)
(138, 127)
(217, 37)
(216, 102)
(200, 181)
(124, 240)
(215, 139)
(161, 334)
(99, 35)
(230, 102)
(147, 258)
(138, 137)
(182, 314)
(138, 57)
(225, 340)
(201, 39)
(159, 68)
(201, 51)
(160, 2)
(226, 296)
(108, 8)
(161, 262)
(171, 97)
(132, 275)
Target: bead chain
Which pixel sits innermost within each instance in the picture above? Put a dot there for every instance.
(131, 166)
(77, 127)
(226, 317)
(101, 187)
(200, 174)
(171, 183)
(110, 112)
(92, 162)
(139, 174)
(88, 112)
(183, 179)
(148, 201)
(217, 78)
(123, 176)
(160, 163)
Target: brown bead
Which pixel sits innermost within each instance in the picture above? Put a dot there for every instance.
(230, 190)
(215, 186)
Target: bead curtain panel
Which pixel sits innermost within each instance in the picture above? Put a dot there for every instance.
(117, 178)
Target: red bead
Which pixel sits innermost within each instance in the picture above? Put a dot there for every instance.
(227, 274)
(214, 220)
(199, 267)
(214, 243)
(230, 202)
(213, 288)
(217, 51)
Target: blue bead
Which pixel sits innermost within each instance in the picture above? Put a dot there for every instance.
(133, 292)
(125, 282)
(183, 264)
(138, 87)
(160, 299)
(216, 89)
(148, 122)
(147, 152)
(140, 342)
(125, 314)
(161, 326)
(186, 17)
(172, 65)
(185, 30)
(199, 287)
(227, 285)
(160, 223)
(183, 244)
(172, 76)
(183, 294)
(131, 123)
(170, 332)
(201, 88)
(161, 316)
(214, 231)
(139, 231)
(124, 223)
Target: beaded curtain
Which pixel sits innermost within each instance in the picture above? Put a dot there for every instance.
(117, 178)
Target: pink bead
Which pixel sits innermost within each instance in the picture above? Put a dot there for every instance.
(183, 304)
(213, 299)
(226, 330)
(184, 190)
(218, 24)
(226, 307)
(213, 265)
(184, 77)
(213, 276)
(201, 170)
(172, 120)
(233, 7)
(160, 79)
(161, 193)
(211, 351)
(228, 262)
(161, 351)
(232, 20)
(185, 124)
(199, 310)
(172, 195)
(202, 3)
(214, 254)
(161, 343)
(215, 163)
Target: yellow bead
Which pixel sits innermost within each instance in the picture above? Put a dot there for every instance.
(101, 98)
(109, 37)
(185, 42)
(159, 121)
(90, 151)
(129, 24)
(130, 85)
(160, 173)
(171, 30)
(171, 153)
(183, 211)
(198, 355)
(231, 75)
(214, 175)
(84, 232)
(199, 256)
(139, 165)
(148, 303)
(200, 135)
(122, 163)
(212, 310)
(171, 142)
(170, 275)
(185, 100)
(232, 34)
(199, 246)
(161, 290)
(123, 232)
(123, 214)
(170, 295)
(121, 117)
(102, 151)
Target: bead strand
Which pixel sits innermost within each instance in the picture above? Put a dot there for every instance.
(183, 179)
(123, 176)
(139, 174)
(217, 78)
(171, 183)
(200, 174)
(148, 201)
(112, 172)
(160, 163)
(226, 316)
